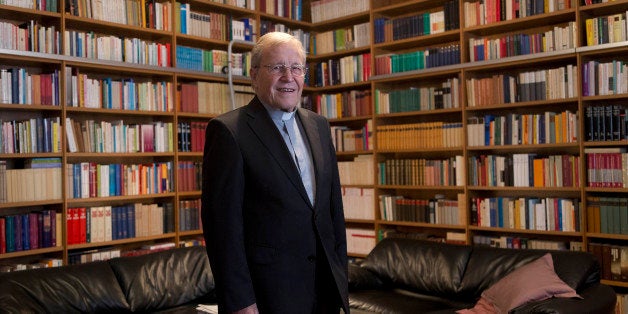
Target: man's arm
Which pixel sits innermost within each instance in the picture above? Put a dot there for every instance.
(222, 199)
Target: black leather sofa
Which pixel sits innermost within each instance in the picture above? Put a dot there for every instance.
(172, 281)
(403, 275)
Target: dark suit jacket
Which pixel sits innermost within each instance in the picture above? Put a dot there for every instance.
(260, 227)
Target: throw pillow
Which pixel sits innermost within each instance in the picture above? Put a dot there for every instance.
(534, 281)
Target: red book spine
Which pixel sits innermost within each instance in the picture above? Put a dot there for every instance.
(3, 236)
(82, 222)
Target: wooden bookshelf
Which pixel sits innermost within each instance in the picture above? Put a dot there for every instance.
(445, 97)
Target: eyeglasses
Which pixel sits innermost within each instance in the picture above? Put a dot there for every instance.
(280, 69)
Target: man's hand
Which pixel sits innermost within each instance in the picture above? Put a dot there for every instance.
(251, 309)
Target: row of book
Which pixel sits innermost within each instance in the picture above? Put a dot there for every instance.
(443, 96)
(556, 39)
(325, 10)
(417, 60)
(492, 11)
(435, 211)
(341, 39)
(524, 170)
(606, 122)
(346, 139)
(515, 242)
(93, 91)
(140, 13)
(210, 97)
(36, 135)
(426, 23)
(606, 29)
(523, 129)
(247, 4)
(547, 84)
(91, 136)
(24, 86)
(90, 179)
(358, 203)
(604, 78)
(210, 25)
(212, 61)
(359, 171)
(189, 176)
(420, 135)
(30, 231)
(607, 167)
(292, 9)
(353, 103)
(47, 262)
(190, 215)
(191, 136)
(422, 172)
(305, 37)
(30, 36)
(106, 223)
(360, 241)
(39, 180)
(114, 48)
(43, 5)
(526, 213)
(613, 259)
(104, 254)
(346, 70)
(607, 214)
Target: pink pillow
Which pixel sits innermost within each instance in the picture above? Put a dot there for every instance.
(534, 281)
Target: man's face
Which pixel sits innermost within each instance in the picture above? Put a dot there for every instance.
(281, 90)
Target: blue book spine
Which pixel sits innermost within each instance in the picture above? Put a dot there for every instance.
(130, 214)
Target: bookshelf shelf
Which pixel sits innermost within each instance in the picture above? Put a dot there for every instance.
(518, 24)
(528, 232)
(56, 249)
(31, 204)
(120, 242)
(425, 40)
(421, 224)
(117, 199)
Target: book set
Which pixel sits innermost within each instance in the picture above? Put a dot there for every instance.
(91, 179)
(353, 103)
(524, 170)
(422, 172)
(108, 223)
(437, 210)
(442, 96)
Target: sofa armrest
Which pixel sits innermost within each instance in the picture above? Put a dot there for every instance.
(598, 298)
(363, 279)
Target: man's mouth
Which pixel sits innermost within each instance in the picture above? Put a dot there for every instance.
(286, 90)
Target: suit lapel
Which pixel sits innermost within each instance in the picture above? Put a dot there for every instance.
(264, 128)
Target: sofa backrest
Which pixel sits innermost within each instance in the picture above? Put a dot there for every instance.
(419, 266)
(164, 279)
(87, 288)
(487, 265)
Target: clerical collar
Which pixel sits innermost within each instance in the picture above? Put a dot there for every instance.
(279, 115)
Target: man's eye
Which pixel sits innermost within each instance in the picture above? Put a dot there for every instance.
(277, 68)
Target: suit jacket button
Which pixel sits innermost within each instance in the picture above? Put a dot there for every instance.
(311, 258)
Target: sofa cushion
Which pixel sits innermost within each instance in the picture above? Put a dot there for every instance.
(165, 279)
(419, 266)
(535, 281)
(86, 288)
(488, 265)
